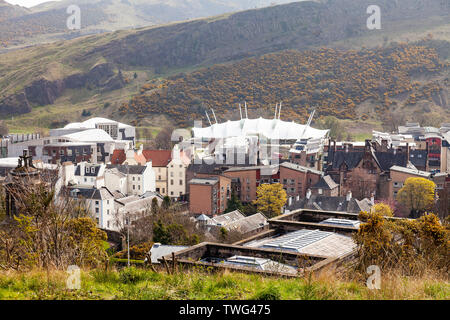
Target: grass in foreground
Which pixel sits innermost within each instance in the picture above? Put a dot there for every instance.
(139, 284)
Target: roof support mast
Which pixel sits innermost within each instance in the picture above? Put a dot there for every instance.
(279, 114)
(214, 114)
(240, 110)
(209, 120)
(309, 122)
(246, 110)
(276, 111)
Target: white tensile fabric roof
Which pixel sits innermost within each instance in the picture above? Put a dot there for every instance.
(94, 135)
(269, 128)
(90, 124)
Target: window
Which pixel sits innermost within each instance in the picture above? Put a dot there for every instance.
(61, 152)
(107, 223)
(181, 182)
(96, 203)
(87, 169)
(284, 181)
(45, 152)
(134, 187)
(107, 201)
(92, 170)
(97, 210)
(107, 212)
(69, 152)
(320, 191)
(171, 182)
(139, 187)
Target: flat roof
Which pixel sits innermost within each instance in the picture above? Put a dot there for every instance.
(204, 181)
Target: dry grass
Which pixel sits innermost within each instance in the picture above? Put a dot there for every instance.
(202, 285)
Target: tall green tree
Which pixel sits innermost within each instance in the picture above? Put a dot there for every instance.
(234, 204)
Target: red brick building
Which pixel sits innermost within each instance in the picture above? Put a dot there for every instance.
(364, 172)
(205, 196)
(297, 179)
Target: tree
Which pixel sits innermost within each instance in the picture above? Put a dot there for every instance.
(50, 230)
(163, 140)
(234, 204)
(166, 202)
(155, 205)
(337, 131)
(3, 129)
(271, 198)
(384, 209)
(417, 195)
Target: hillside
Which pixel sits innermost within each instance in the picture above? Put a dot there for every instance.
(47, 22)
(332, 81)
(9, 11)
(84, 73)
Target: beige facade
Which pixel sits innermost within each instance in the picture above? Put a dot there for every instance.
(161, 180)
(176, 180)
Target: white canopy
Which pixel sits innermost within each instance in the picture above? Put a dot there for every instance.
(270, 128)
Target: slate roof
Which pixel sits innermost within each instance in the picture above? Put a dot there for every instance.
(388, 159)
(227, 218)
(325, 182)
(128, 169)
(88, 174)
(325, 203)
(352, 158)
(248, 224)
(92, 193)
(418, 158)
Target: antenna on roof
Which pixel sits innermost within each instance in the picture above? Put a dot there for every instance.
(246, 110)
(279, 114)
(276, 110)
(209, 120)
(214, 114)
(240, 110)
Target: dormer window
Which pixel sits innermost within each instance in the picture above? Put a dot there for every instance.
(92, 170)
(87, 169)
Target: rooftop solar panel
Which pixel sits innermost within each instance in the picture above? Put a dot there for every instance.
(294, 241)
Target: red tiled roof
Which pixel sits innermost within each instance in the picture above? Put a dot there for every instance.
(140, 159)
(118, 157)
(159, 158)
